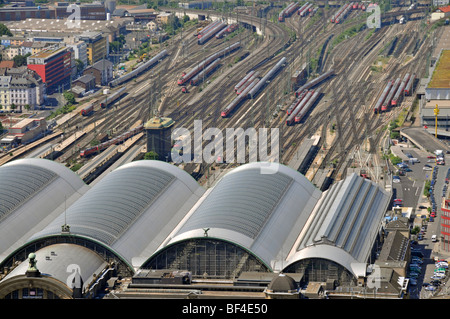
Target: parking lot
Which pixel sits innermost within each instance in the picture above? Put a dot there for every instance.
(425, 251)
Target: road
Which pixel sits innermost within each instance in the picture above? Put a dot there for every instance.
(410, 190)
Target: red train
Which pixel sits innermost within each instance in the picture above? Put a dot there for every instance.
(87, 110)
(410, 84)
(399, 93)
(377, 108)
(387, 101)
(116, 140)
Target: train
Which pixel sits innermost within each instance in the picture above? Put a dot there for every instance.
(399, 93)
(314, 82)
(247, 83)
(87, 110)
(108, 100)
(237, 100)
(296, 102)
(207, 28)
(291, 118)
(243, 80)
(222, 32)
(254, 91)
(410, 85)
(377, 108)
(286, 12)
(143, 67)
(117, 140)
(305, 11)
(227, 29)
(205, 37)
(344, 13)
(302, 8)
(387, 101)
(336, 15)
(204, 73)
(185, 77)
(301, 114)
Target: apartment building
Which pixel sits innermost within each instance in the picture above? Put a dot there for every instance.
(21, 89)
(54, 65)
(97, 46)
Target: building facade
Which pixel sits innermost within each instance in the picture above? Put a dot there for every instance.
(21, 89)
(102, 71)
(97, 46)
(80, 51)
(23, 13)
(54, 66)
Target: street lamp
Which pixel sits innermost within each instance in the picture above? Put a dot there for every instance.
(436, 112)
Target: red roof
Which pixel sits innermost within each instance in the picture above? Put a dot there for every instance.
(7, 64)
(444, 9)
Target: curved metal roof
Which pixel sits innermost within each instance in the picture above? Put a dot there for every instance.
(347, 217)
(132, 209)
(30, 192)
(61, 262)
(259, 211)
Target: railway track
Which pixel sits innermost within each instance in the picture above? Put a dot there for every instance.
(352, 124)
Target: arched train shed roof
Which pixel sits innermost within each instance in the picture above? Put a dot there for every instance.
(260, 212)
(344, 225)
(132, 210)
(32, 193)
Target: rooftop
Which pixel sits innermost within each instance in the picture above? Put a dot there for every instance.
(159, 123)
(441, 74)
(46, 53)
(444, 9)
(62, 25)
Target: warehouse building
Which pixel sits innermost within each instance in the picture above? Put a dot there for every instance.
(151, 221)
(437, 95)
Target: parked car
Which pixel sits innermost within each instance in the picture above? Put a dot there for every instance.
(441, 264)
(430, 288)
(413, 281)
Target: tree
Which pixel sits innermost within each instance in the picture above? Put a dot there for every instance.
(151, 155)
(20, 60)
(13, 107)
(27, 107)
(4, 30)
(70, 97)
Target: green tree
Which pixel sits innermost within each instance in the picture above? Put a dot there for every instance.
(4, 30)
(95, 142)
(20, 60)
(13, 107)
(69, 97)
(151, 155)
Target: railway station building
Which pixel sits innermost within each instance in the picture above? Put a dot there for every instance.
(149, 218)
(437, 93)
